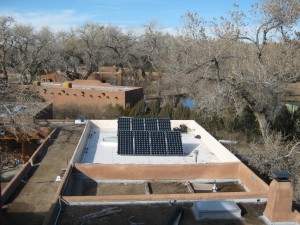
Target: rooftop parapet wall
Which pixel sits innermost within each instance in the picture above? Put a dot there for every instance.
(163, 171)
(176, 172)
(251, 180)
(167, 172)
(238, 196)
(78, 153)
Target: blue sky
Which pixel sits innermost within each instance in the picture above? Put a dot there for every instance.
(62, 14)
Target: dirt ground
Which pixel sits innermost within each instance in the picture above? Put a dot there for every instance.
(32, 200)
(156, 214)
(117, 189)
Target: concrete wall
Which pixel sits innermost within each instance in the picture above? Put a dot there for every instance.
(80, 148)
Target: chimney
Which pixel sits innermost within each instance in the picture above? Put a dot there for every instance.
(280, 199)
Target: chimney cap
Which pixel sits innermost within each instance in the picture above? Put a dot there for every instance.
(282, 175)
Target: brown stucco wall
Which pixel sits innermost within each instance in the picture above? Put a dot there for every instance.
(251, 180)
(151, 171)
(181, 172)
(166, 197)
(106, 76)
(52, 77)
(88, 97)
(39, 150)
(279, 206)
(14, 183)
(90, 83)
(55, 207)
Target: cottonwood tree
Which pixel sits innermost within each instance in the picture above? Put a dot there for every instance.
(233, 66)
(120, 45)
(27, 45)
(6, 24)
(69, 51)
(91, 38)
(151, 48)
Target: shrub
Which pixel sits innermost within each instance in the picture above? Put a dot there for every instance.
(283, 122)
(166, 111)
(181, 112)
(138, 110)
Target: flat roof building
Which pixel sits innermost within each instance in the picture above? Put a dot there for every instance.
(99, 179)
(88, 94)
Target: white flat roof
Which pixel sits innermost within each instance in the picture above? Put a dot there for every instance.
(101, 145)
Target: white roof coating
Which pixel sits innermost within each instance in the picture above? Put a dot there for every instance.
(101, 146)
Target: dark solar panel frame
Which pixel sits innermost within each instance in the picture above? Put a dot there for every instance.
(158, 143)
(164, 124)
(125, 142)
(174, 143)
(142, 143)
(151, 124)
(124, 123)
(138, 124)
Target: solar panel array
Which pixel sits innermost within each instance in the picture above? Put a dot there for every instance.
(148, 136)
(150, 124)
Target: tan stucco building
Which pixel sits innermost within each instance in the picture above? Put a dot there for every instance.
(87, 93)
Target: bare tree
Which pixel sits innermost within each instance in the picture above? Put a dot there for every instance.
(233, 67)
(274, 154)
(91, 37)
(5, 37)
(27, 45)
(120, 45)
(69, 52)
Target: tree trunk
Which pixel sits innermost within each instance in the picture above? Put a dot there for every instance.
(261, 118)
(5, 78)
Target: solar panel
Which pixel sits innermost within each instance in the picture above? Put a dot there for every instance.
(125, 142)
(138, 136)
(174, 143)
(158, 143)
(142, 143)
(151, 124)
(164, 124)
(138, 124)
(124, 123)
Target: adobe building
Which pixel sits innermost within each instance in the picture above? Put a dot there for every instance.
(128, 183)
(88, 94)
(108, 74)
